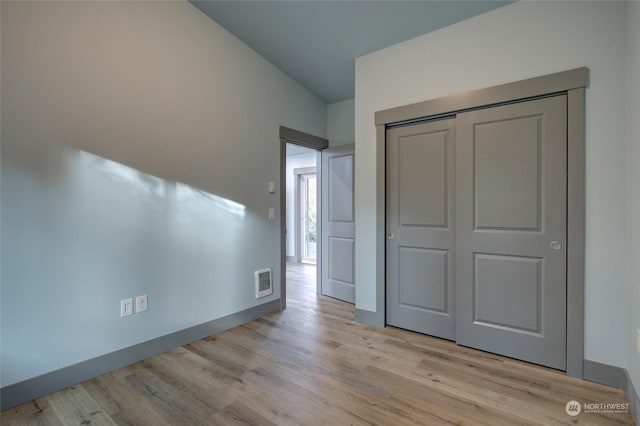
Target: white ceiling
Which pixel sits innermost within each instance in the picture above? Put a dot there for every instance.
(316, 42)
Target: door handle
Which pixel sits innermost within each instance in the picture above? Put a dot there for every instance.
(391, 235)
(556, 245)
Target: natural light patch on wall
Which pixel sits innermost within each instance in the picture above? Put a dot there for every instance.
(135, 160)
(83, 227)
(194, 202)
(189, 201)
(134, 180)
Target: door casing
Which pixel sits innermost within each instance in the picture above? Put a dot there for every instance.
(295, 137)
(573, 84)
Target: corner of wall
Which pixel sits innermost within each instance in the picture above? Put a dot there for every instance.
(341, 122)
(633, 194)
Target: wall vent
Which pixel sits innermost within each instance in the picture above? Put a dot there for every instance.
(264, 283)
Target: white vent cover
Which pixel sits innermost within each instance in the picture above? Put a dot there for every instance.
(264, 284)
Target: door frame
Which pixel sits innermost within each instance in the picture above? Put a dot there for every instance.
(572, 83)
(295, 137)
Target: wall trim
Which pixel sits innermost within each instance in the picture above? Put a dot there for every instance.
(303, 139)
(575, 230)
(291, 259)
(522, 89)
(631, 395)
(369, 317)
(604, 374)
(21, 392)
(381, 223)
(617, 377)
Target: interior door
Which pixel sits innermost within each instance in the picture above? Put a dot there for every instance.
(511, 230)
(420, 228)
(338, 223)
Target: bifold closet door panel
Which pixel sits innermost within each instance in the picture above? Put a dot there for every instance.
(511, 166)
(420, 224)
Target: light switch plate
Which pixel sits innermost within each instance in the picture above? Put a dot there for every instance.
(126, 307)
(272, 213)
(638, 340)
(272, 187)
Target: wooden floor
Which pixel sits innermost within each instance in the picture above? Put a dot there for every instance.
(313, 365)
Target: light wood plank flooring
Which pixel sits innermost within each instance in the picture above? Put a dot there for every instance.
(313, 365)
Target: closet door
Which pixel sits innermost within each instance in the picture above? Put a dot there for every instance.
(420, 228)
(511, 230)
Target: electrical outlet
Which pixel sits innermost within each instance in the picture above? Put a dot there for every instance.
(126, 307)
(141, 303)
(638, 340)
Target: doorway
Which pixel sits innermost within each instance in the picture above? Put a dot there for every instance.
(324, 229)
(300, 223)
(307, 214)
(301, 219)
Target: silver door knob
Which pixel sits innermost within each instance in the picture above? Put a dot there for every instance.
(556, 245)
(391, 235)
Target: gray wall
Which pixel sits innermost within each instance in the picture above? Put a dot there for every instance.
(341, 123)
(633, 189)
(137, 142)
(540, 38)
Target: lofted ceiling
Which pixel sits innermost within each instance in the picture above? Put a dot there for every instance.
(316, 42)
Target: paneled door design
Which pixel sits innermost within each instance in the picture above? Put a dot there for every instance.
(476, 229)
(511, 167)
(338, 223)
(420, 228)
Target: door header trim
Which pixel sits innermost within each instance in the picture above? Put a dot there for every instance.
(297, 137)
(532, 87)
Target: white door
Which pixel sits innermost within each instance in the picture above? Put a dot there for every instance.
(338, 223)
